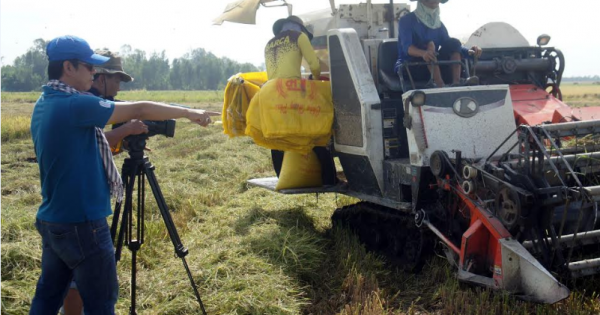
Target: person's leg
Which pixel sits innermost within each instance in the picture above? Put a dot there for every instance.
(277, 158)
(73, 305)
(61, 251)
(456, 69)
(419, 74)
(328, 173)
(96, 276)
(437, 75)
(450, 50)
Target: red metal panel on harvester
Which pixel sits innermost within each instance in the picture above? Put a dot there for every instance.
(534, 106)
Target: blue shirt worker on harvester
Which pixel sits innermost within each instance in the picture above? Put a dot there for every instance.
(78, 177)
(423, 37)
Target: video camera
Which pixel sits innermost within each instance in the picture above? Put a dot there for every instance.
(159, 127)
(137, 143)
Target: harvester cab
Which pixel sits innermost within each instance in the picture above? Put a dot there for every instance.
(502, 175)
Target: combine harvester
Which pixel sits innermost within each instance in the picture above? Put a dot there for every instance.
(502, 173)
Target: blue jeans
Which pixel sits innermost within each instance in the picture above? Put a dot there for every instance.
(80, 251)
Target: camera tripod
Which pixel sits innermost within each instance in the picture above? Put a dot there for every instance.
(131, 232)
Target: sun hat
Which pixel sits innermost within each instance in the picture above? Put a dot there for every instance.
(294, 19)
(113, 66)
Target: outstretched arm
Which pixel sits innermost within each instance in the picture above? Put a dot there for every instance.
(125, 111)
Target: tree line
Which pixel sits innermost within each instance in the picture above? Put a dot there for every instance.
(196, 70)
(595, 78)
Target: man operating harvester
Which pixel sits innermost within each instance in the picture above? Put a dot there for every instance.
(78, 177)
(283, 56)
(423, 37)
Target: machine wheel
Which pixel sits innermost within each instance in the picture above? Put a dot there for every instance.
(508, 208)
(558, 61)
(438, 164)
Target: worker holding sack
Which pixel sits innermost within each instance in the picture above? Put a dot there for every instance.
(283, 55)
(284, 52)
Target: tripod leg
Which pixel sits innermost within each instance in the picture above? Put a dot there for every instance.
(134, 246)
(130, 170)
(118, 204)
(115, 219)
(180, 250)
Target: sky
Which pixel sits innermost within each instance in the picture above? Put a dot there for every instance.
(177, 26)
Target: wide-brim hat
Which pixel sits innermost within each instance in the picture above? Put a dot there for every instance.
(294, 19)
(124, 76)
(442, 1)
(113, 66)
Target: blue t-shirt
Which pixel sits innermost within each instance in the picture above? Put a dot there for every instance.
(412, 32)
(74, 182)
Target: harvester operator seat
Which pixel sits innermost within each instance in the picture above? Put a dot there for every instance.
(389, 82)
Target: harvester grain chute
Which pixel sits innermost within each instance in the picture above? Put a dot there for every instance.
(503, 175)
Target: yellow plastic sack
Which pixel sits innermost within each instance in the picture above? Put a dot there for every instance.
(296, 107)
(240, 89)
(291, 115)
(299, 171)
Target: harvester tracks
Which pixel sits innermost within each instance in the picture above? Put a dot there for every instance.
(386, 231)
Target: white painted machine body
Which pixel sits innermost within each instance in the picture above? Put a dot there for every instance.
(441, 128)
(357, 128)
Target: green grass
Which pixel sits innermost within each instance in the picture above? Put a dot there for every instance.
(20, 97)
(15, 127)
(251, 251)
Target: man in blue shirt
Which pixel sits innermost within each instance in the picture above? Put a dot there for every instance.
(423, 37)
(78, 176)
(107, 81)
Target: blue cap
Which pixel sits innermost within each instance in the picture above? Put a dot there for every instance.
(72, 47)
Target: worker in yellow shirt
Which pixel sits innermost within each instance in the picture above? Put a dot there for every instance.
(283, 56)
(285, 51)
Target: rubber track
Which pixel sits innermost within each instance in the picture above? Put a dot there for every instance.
(386, 231)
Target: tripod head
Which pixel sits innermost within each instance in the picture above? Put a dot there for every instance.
(135, 146)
